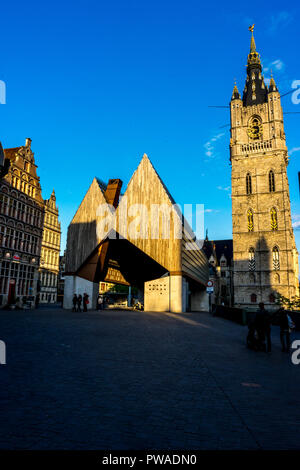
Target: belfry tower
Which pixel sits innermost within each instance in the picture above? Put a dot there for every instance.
(264, 250)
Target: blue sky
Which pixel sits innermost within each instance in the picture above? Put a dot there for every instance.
(96, 84)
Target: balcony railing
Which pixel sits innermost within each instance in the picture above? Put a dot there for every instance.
(254, 147)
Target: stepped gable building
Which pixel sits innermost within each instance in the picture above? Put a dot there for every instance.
(49, 261)
(21, 226)
(264, 250)
(151, 251)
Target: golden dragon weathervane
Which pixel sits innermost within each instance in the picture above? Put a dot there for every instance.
(251, 28)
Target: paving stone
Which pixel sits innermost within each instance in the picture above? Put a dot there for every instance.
(134, 380)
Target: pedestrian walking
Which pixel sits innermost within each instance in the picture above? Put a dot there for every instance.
(286, 325)
(263, 328)
(75, 299)
(85, 301)
(79, 301)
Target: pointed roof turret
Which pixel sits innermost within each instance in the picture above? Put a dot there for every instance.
(272, 86)
(235, 94)
(255, 91)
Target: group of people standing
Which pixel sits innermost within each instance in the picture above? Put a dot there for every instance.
(259, 325)
(78, 300)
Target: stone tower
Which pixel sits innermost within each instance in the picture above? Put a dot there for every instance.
(264, 250)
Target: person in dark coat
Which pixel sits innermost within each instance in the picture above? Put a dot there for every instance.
(283, 322)
(79, 301)
(285, 336)
(85, 302)
(74, 303)
(263, 327)
(251, 337)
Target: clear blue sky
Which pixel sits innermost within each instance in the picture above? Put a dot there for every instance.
(96, 84)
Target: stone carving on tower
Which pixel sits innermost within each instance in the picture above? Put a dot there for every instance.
(264, 250)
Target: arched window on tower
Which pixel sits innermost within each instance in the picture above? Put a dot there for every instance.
(251, 259)
(250, 220)
(271, 181)
(274, 222)
(275, 256)
(253, 298)
(248, 184)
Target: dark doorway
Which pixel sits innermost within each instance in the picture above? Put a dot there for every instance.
(12, 291)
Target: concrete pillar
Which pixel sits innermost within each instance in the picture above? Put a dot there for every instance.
(69, 291)
(157, 296)
(78, 285)
(129, 297)
(178, 288)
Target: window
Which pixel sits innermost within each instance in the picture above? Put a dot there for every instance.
(4, 276)
(251, 256)
(274, 223)
(276, 263)
(252, 278)
(3, 203)
(253, 298)
(271, 181)
(250, 220)
(272, 298)
(248, 184)
(2, 230)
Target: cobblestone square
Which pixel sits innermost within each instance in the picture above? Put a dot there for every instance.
(139, 380)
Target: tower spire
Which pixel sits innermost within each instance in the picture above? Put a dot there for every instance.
(252, 43)
(255, 91)
(253, 56)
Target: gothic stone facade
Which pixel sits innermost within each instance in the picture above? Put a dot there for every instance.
(220, 257)
(264, 249)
